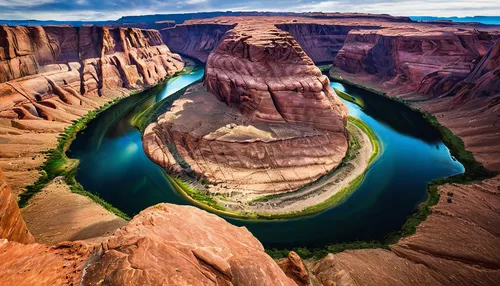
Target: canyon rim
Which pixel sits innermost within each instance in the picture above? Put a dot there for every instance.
(264, 135)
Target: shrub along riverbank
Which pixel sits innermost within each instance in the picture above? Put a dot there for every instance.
(190, 189)
(474, 172)
(58, 164)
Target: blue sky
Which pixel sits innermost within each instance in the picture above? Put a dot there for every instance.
(113, 9)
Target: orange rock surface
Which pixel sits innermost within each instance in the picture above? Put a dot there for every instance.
(271, 122)
(163, 245)
(12, 226)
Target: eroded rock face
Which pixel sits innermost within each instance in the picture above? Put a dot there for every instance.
(195, 40)
(270, 122)
(12, 226)
(180, 245)
(413, 60)
(265, 72)
(484, 81)
(163, 245)
(38, 65)
(322, 41)
(37, 264)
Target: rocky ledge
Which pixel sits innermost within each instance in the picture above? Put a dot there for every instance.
(266, 122)
(163, 245)
(51, 76)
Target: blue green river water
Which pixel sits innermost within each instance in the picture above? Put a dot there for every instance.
(114, 166)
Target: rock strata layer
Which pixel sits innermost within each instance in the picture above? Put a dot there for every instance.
(269, 123)
(413, 60)
(51, 76)
(12, 225)
(163, 245)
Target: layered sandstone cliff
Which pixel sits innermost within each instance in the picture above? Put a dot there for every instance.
(416, 59)
(12, 226)
(322, 41)
(195, 40)
(50, 76)
(271, 122)
(163, 245)
(483, 81)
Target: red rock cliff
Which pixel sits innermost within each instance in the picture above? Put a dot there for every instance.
(266, 73)
(322, 41)
(12, 226)
(38, 63)
(417, 59)
(163, 245)
(195, 40)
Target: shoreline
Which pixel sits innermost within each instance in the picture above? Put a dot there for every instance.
(320, 198)
(57, 163)
(338, 247)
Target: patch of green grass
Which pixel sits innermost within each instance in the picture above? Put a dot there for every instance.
(191, 191)
(205, 200)
(325, 68)
(348, 97)
(58, 164)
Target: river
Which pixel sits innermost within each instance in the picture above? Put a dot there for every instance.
(114, 166)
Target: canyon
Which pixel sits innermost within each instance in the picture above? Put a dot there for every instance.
(52, 76)
(268, 123)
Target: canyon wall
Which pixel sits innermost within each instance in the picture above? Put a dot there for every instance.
(163, 245)
(322, 41)
(483, 81)
(269, 123)
(195, 40)
(413, 60)
(51, 76)
(12, 226)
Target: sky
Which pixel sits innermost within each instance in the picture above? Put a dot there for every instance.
(114, 9)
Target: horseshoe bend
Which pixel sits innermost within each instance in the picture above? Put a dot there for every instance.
(250, 148)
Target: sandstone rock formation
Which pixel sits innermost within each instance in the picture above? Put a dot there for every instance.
(294, 267)
(51, 76)
(277, 123)
(458, 244)
(195, 40)
(483, 81)
(163, 245)
(322, 41)
(416, 59)
(12, 226)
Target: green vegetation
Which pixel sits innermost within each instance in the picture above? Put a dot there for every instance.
(206, 200)
(191, 191)
(325, 68)
(58, 164)
(143, 119)
(347, 97)
(318, 253)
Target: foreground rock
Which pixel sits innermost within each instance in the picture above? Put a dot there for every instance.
(56, 214)
(49, 77)
(163, 245)
(458, 244)
(12, 225)
(271, 122)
